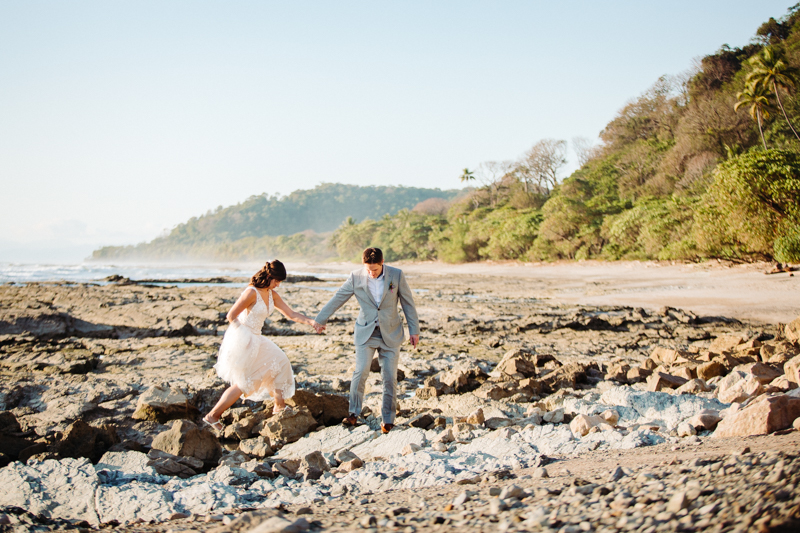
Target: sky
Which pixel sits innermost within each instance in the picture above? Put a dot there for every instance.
(120, 120)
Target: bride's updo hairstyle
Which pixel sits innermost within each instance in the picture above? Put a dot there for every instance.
(272, 270)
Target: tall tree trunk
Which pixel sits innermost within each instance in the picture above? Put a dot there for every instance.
(763, 140)
(778, 98)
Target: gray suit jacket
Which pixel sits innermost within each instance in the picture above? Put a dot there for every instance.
(395, 289)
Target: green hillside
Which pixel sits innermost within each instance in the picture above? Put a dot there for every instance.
(269, 225)
(702, 165)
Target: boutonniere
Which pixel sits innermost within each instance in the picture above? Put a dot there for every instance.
(391, 286)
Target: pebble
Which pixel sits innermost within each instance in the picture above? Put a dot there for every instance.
(540, 473)
(496, 505)
(677, 502)
(368, 521)
(512, 491)
(461, 499)
(616, 475)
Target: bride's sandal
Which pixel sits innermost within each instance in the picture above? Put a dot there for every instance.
(285, 409)
(216, 426)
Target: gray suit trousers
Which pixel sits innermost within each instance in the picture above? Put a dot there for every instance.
(388, 358)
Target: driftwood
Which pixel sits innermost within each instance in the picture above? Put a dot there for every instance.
(780, 268)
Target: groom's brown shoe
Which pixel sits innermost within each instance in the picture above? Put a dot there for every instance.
(351, 420)
(386, 428)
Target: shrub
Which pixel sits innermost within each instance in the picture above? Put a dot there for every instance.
(753, 206)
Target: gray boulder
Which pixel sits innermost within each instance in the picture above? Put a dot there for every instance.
(162, 403)
(289, 425)
(256, 447)
(517, 364)
(185, 439)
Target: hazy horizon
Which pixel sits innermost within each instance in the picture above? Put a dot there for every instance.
(124, 120)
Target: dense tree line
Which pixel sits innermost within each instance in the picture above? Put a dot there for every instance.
(701, 165)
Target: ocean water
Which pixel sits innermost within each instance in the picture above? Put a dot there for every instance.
(95, 272)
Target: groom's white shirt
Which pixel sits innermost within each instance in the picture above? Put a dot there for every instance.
(376, 286)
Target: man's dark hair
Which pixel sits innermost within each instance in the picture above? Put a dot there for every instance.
(372, 256)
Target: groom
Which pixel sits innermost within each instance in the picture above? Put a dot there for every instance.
(378, 289)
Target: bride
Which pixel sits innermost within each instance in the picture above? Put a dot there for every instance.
(254, 365)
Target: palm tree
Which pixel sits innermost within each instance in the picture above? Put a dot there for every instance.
(756, 97)
(467, 176)
(771, 72)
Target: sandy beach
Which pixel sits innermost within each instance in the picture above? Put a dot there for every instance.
(714, 288)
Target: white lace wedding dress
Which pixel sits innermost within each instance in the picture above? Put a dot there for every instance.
(251, 361)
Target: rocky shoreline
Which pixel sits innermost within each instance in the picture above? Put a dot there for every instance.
(103, 387)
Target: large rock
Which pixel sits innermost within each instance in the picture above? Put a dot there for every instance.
(256, 447)
(244, 423)
(172, 465)
(495, 390)
(426, 393)
(705, 420)
(162, 403)
(82, 440)
(778, 352)
(792, 330)
(780, 384)
(729, 381)
(424, 421)
(667, 356)
(569, 375)
(187, 440)
(765, 416)
(327, 409)
(659, 381)
(710, 370)
(9, 424)
(742, 390)
(686, 372)
(12, 440)
(726, 343)
(463, 377)
(517, 364)
(618, 372)
(581, 425)
(313, 465)
(638, 374)
(693, 386)
(791, 369)
(763, 373)
(289, 425)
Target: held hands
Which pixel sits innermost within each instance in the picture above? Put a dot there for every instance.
(414, 340)
(319, 328)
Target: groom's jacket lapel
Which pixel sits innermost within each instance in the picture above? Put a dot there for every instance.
(387, 280)
(364, 283)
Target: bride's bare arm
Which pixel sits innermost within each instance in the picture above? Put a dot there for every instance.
(287, 311)
(245, 301)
